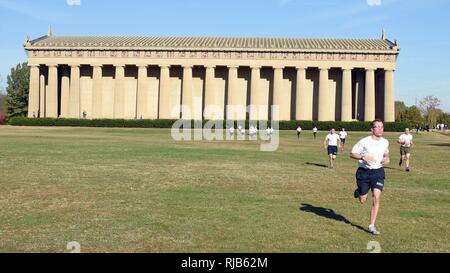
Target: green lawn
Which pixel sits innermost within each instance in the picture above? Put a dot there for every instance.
(137, 190)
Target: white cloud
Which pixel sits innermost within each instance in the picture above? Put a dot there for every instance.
(374, 2)
(73, 2)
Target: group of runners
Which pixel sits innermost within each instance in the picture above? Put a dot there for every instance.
(372, 153)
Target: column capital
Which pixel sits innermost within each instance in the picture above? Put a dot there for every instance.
(187, 66)
(275, 67)
(301, 68)
(164, 66)
(255, 67)
(119, 65)
(210, 66)
(347, 68)
(324, 68)
(389, 69)
(232, 66)
(97, 65)
(52, 65)
(75, 65)
(33, 65)
(143, 66)
(368, 69)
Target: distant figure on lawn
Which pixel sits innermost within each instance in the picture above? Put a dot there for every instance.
(299, 132)
(343, 137)
(405, 141)
(331, 144)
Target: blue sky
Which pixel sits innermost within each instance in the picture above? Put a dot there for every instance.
(421, 27)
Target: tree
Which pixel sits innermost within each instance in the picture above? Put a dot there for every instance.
(428, 106)
(412, 116)
(17, 91)
(400, 109)
(2, 103)
(444, 118)
(2, 108)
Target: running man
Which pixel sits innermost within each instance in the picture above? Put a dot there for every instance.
(372, 152)
(231, 130)
(299, 132)
(331, 144)
(315, 132)
(405, 141)
(343, 137)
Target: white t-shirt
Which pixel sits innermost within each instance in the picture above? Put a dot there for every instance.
(299, 129)
(407, 139)
(375, 148)
(332, 139)
(231, 130)
(342, 134)
(315, 130)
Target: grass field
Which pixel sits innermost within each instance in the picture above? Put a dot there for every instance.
(137, 190)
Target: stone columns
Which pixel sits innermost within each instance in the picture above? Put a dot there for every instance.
(142, 93)
(278, 91)
(74, 96)
(119, 92)
(304, 98)
(164, 93)
(346, 112)
(42, 91)
(187, 95)
(324, 96)
(369, 102)
(52, 92)
(33, 97)
(389, 96)
(97, 92)
(255, 94)
(232, 103)
(65, 92)
(210, 96)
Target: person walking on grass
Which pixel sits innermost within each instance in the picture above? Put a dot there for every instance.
(372, 153)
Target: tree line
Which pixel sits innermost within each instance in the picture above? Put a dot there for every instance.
(426, 113)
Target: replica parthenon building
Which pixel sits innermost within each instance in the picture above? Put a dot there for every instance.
(151, 77)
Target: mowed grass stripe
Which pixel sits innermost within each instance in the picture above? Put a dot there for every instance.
(137, 190)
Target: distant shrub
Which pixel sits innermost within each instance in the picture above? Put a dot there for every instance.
(3, 118)
(167, 123)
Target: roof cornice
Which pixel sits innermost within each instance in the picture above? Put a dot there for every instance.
(212, 44)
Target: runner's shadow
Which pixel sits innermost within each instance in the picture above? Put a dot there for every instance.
(316, 164)
(330, 214)
(440, 145)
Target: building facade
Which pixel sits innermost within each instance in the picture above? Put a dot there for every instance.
(212, 78)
